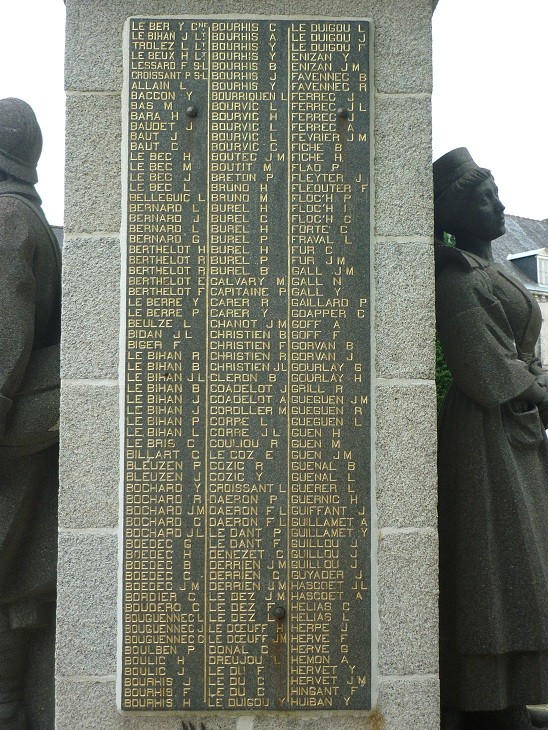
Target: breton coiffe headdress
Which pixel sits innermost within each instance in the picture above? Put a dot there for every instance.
(451, 167)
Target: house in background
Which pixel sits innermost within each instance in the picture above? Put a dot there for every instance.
(523, 251)
(58, 230)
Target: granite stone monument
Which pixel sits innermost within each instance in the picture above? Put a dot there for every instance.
(247, 528)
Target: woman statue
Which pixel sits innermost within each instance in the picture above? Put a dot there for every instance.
(493, 467)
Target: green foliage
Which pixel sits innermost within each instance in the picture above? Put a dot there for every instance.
(443, 376)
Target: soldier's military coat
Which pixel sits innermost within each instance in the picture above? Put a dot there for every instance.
(30, 293)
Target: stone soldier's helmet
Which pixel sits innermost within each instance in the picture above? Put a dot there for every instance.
(20, 140)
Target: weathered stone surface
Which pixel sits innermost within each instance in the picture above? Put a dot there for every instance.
(403, 47)
(94, 34)
(86, 604)
(408, 603)
(403, 173)
(493, 462)
(404, 311)
(89, 461)
(405, 455)
(93, 163)
(91, 308)
(86, 704)
(410, 703)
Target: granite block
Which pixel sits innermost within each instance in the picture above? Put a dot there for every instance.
(403, 167)
(93, 167)
(404, 310)
(408, 603)
(403, 47)
(91, 308)
(405, 455)
(410, 703)
(89, 457)
(86, 604)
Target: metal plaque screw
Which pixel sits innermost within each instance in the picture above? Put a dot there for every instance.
(192, 111)
(279, 613)
(342, 113)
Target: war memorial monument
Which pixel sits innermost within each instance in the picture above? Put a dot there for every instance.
(247, 508)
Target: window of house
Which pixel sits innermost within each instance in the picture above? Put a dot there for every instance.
(542, 264)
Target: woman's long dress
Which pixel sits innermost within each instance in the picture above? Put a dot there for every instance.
(493, 491)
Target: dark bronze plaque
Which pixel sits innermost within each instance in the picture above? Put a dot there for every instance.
(246, 565)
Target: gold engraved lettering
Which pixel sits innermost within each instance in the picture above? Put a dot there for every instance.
(246, 365)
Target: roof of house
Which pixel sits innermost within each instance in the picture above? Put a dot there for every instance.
(525, 254)
(524, 236)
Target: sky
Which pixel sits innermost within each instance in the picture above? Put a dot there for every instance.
(491, 93)
(490, 90)
(31, 68)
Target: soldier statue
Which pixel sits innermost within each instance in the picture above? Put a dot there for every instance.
(30, 298)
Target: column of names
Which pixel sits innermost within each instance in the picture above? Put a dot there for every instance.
(246, 366)
(239, 396)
